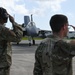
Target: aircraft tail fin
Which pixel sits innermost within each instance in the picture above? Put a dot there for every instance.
(26, 20)
(31, 18)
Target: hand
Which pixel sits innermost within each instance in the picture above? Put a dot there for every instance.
(72, 26)
(11, 19)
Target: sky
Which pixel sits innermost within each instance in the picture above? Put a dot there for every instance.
(42, 11)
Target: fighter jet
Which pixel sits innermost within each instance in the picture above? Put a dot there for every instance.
(30, 29)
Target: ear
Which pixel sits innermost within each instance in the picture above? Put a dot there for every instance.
(64, 27)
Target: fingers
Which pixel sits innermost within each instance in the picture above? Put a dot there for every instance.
(11, 19)
(72, 26)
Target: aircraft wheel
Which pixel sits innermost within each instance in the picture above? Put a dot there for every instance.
(29, 44)
(33, 42)
(17, 43)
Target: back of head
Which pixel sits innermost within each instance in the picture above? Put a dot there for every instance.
(57, 22)
(3, 12)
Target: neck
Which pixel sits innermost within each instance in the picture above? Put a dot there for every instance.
(60, 35)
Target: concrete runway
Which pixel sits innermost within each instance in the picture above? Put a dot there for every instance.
(23, 58)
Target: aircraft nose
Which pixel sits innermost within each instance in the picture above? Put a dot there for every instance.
(32, 31)
(35, 31)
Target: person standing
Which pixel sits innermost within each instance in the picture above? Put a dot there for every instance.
(54, 54)
(6, 37)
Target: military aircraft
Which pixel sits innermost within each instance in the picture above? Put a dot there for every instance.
(30, 29)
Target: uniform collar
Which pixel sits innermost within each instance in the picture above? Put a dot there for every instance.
(55, 37)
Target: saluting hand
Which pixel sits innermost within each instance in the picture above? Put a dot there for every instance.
(11, 19)
(72, 26)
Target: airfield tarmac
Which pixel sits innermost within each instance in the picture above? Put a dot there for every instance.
(23, 57)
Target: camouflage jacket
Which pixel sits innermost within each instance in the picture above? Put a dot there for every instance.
(7, 36)
(54, 57)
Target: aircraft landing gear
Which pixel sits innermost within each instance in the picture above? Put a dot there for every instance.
(33, 42)
(17, 43)
(29, 38)
(29, 44)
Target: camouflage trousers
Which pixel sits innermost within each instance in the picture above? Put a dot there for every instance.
(5, 71)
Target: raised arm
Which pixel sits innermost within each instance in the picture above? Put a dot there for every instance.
(14, 35)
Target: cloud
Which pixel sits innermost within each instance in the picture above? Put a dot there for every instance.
(47, 5)
(54, 5)
(13, 7)
(19, 6)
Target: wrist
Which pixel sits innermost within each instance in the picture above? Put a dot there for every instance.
(13, 23)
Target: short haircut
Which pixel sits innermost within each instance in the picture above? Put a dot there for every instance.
(2, 13)
(57, 22)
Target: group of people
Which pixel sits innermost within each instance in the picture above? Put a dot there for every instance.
(53, 55)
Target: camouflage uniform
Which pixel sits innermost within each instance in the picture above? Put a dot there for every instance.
(54, 57)
(6, 36)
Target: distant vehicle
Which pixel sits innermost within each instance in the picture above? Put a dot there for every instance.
(30, 29)
(71, 34)
(44, 33)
